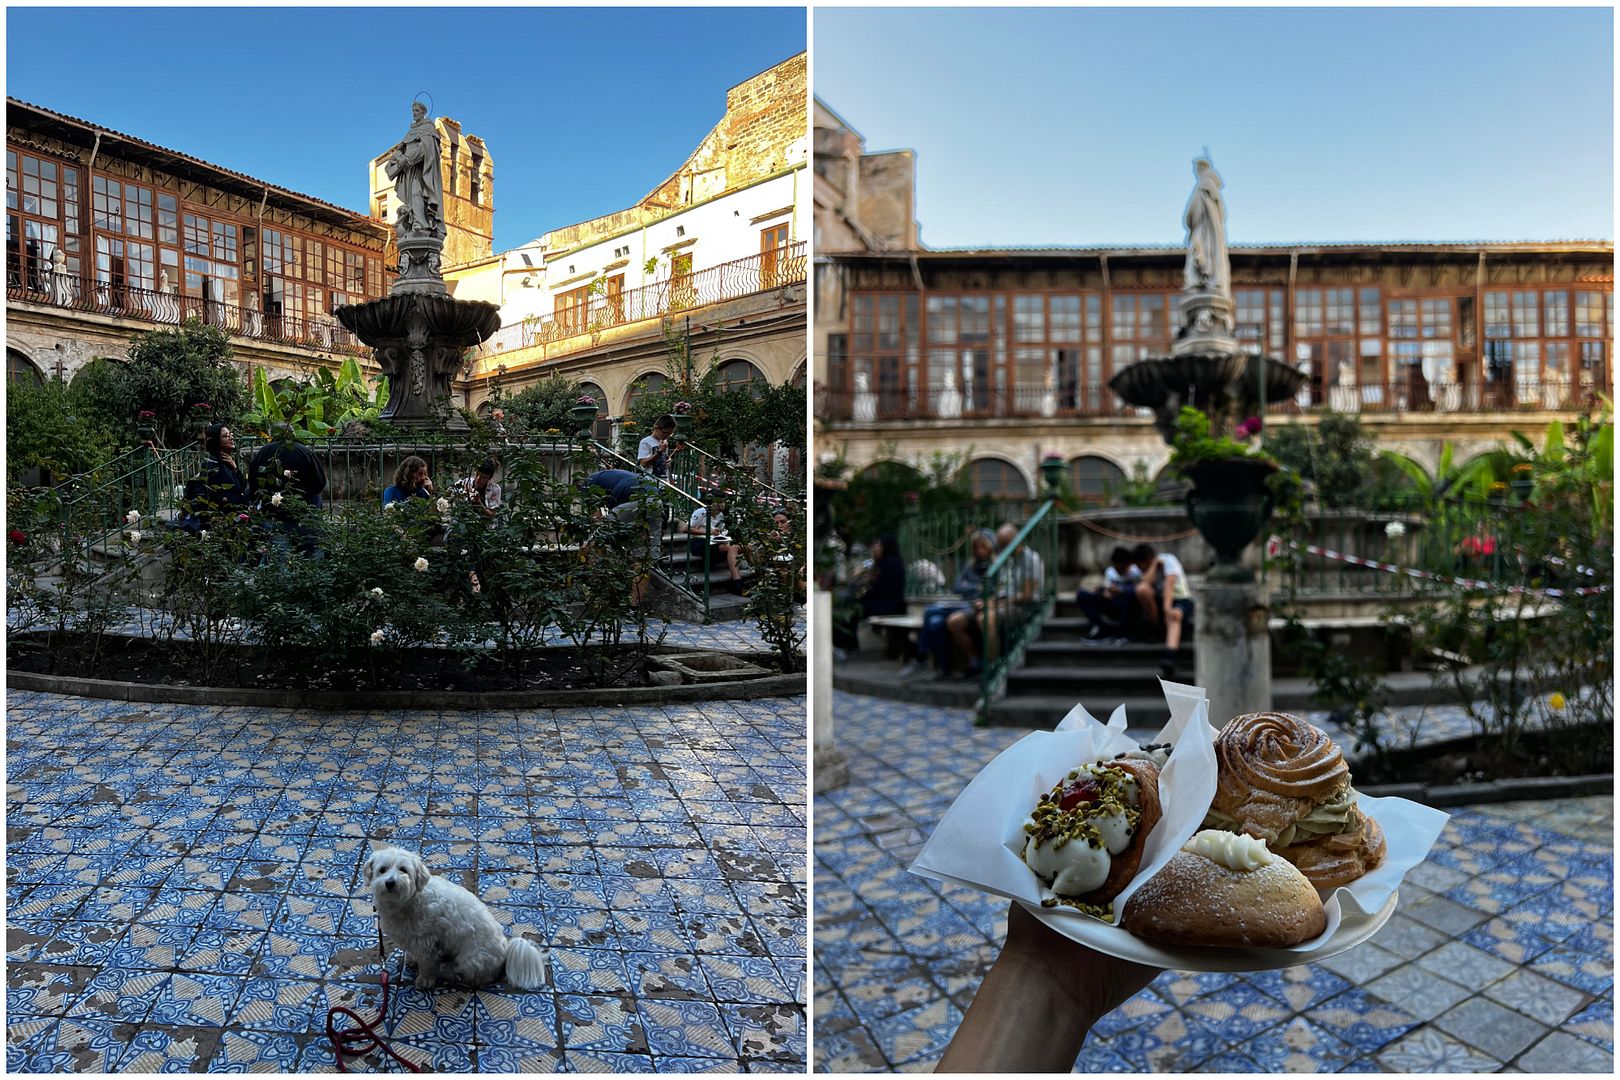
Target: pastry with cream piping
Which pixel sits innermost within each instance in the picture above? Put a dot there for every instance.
(1085, 837)
(1283, 781)
(1226, 889)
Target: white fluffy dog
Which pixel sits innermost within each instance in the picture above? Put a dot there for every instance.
(446, 931)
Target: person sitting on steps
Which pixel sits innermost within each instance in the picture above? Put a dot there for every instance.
(1164, 599)
(1111, 603)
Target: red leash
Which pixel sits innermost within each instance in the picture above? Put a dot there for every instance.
(352, 1042)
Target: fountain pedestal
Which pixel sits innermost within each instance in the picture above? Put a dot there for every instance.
(1207, 326)
(1233, 658)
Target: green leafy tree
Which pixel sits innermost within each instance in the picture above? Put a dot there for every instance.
(171, 371)
(46, 430)
(1337, 456)
(541, 407)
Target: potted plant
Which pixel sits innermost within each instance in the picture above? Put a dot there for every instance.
(1052, 469)
(1231, 497)
(145, 425)
(584, 415)
(1522, 481)
(682, 412)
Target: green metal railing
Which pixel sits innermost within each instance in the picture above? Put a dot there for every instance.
(1018, 593)
(146, 479)
(682, 569)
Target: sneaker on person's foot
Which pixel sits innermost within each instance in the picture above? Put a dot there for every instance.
(1095, 632)
(910, 668)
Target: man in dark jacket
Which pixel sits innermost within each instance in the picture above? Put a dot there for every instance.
(285, 466)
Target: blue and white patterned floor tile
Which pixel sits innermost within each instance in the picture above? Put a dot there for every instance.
(186, 895)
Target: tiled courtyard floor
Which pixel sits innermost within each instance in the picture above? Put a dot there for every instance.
(183, 883)
(1499, 957)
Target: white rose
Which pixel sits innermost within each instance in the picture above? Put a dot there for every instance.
(203, 535)
(1394, 529)
(134, 536)
(132, 517)
(392, 506)
(377, 593)
(376, 637)
(421, 565)
(179, 491)
(287, 473)
(275, 500)
(443, 504)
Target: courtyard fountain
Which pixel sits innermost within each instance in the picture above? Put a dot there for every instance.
(1209, 370)
(420, 331)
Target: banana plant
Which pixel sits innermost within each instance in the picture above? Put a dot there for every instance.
(319, 408)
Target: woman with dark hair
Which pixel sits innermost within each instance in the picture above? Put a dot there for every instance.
(222, 486)
(410, 481)
(886, 582)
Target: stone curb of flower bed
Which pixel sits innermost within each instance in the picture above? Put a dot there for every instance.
(1490, 791)
(738, 690)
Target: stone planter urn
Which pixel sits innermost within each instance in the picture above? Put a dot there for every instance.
(1052, 472)
(1229, 504)
(145, 431)
(584, 417)
(1522, 488)
(683, 426)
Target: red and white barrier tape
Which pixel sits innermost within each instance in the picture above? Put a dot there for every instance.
(1274, 548)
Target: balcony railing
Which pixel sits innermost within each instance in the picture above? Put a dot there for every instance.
(1402, 396)
(716, 284)
(148, 305)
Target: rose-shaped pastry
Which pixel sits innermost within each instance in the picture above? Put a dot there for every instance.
(1284, 781)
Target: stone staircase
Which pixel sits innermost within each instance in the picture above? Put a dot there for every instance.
(1061, 668)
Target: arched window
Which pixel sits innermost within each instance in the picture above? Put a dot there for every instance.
(799, 375)
(485, 407)
(1095, 479)
(992, 478)
(21, 369)
(740, 375)
(649, 383)
(889, 470)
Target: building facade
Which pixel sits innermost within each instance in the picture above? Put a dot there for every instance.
(108, 235)
(716, 254)
(1006, 354)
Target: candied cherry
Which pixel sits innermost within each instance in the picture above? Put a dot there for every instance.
(1079, 791)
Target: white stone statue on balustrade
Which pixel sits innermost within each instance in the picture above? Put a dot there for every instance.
(949, 404)
(1555, 390)
(163, 303)
(1444, 389)
(1049, 395)
(865, 400)
(1302, 397)
(61, 287)
(252, 317)
(1343, 397)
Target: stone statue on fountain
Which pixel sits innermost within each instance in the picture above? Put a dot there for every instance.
(1206, 291)
(419, 331)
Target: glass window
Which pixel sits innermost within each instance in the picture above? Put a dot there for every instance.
(1403, 319)
(1308, 314)
(1555, 306)
(1063, 322)
(1029, 318)
(1437, 318)
(1498, 317)
(1589, 314)
(1371, 321)
(1095, 479)
(996, 479)
(1341, 311)
(1526, 314)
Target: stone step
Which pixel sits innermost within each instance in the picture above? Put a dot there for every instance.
(1077, 683)
(1069, 652)
(1070, 627)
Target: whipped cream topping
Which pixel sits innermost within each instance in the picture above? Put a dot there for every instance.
(1231, 850)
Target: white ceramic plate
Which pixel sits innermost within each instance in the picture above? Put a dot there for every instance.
(1352, 931)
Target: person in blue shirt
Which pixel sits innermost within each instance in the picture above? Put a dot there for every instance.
(631, 499)
(411, 481)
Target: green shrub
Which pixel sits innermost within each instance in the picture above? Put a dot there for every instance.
(44, 430)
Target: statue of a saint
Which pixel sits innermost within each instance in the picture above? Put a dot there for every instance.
(418, 184)
(1208, 268)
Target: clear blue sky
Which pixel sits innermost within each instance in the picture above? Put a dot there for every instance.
(1079, 126)
(584, 110)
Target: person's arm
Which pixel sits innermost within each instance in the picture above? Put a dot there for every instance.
(1038, 1001)
(647, 457)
